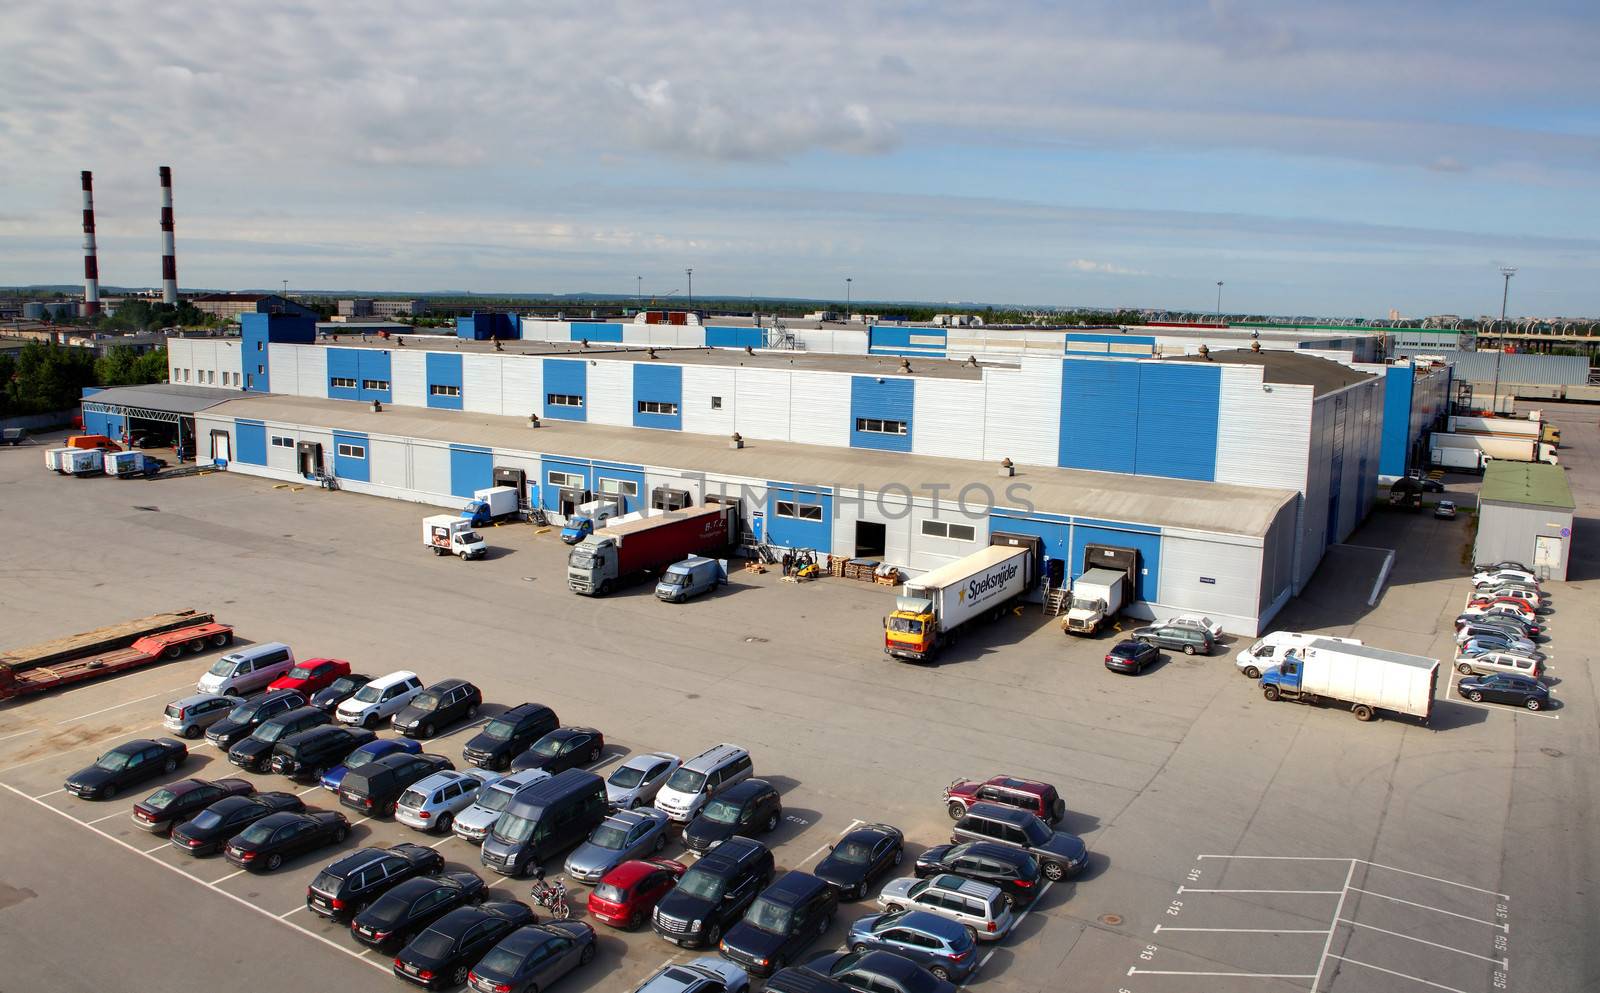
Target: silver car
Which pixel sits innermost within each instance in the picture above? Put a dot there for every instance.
(432, 803)
(191, 716)
(978, 905)
(472, 824)
(626, 834)
(637, 781)
(703, 975)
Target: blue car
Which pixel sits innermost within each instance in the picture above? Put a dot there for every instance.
(938, 944)
(370, 752)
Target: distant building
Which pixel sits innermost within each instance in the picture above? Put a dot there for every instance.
(355, 308)
(229, 306)
(399, 308)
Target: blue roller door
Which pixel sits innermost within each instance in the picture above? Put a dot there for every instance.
(250, 441)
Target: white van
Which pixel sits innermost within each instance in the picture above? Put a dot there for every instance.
(247, 670)
(380, 699)
(700, 779)
(1268, 652)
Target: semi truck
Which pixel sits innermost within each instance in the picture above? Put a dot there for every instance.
(1457, 458)
(628, 549)
(1511, 427)
(1097, 595)
(491, 504)
(589, 518)
(450, 535)
(102, 651)
(933, 609)
(1365, 679)
(1512, 448)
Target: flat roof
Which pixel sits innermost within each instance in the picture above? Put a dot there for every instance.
(171, 398)
(1322, 375)
(1527, 484)
(1174, 503)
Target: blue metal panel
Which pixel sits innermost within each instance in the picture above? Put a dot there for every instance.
(1109, 339)
(1099, 414)
(735, 337)
(116, 427)
(638, 500)
(597, 332)
(344, 363)
(94, 422)
(883, 340)
(250, 442)
(1396, 436)
(349, 466)
(886, 399)
(373, 364)
(550, 493)
(658, 384)
(1054, 534)
(791, 532)
(565, 377)
(483, 326)
(1179, 403)
(256, 331)
(444, 369)
(1147, 584)
(471, 469)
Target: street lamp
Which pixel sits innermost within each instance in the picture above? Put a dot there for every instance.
(847, 281)
(1506, 271)
(690, 274)
(1219, 299)
(638, 290)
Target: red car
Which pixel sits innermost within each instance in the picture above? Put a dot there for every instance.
(627, 894)
(310, 676)
(1027, 794)
(1515, 601)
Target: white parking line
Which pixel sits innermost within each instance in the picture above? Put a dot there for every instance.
(172, 868)
(1401, 975)
(1187, 889)
(1322, 962)
(1504, 963)
(441, 841)
(41, 796)
(824, 848)
(107, 817)
(1132, 971)
(1449, 913)
(1375, 865)
(1014, 925)
(287, 913)
(119, 706)
(147, 851)
(1244, 930)
(311, 790)
(363, 820)
(237, 872)
(19, 734)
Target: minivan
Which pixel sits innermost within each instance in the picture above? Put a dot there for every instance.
(690, 578)
(785, 918)
(376, 787)
(1490, 663)
(1268, 651)
(381, 698)
(543, 819)
(247, 670)
(700, 779)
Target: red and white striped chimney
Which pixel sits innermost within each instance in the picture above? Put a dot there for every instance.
(91, 265)
(169, 256)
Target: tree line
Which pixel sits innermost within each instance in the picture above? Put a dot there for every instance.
(43, 377)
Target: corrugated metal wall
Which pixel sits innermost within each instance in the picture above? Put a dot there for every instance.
(390, 460)
(522, 388)
(610, 398)
(430, 468)
(700, 384)
(1099, 415)
(1178, 411)
(410, 378)
(949, 415)
(312, 362)
(656, 382)
(1262, 435)
(284, 458)
(284, 368)
(1027, 412)
(567, 377)
(819, 409)
(180, 356)
(480, 383)
(763, 404)
(890, 398)
(1208, 572)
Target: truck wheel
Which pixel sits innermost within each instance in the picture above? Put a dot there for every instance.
(197, 646)
(1271, 693)
(605, 587)
(957, 810)
(173, 651)
(1464, 668)
(1362, 712)
(221, 639)
(1252, 672)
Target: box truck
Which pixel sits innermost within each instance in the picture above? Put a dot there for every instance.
(1514, 448)
(1457, 458)
(55, 459)
(1364, 678)
(491, 504)
(447, 534)
(125, 465)
(624, 550)
(83, 461)
(1270, 648)
(932, 609)
(1097, 595)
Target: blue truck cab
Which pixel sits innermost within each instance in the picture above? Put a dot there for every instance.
(1285, 676)
(591, 515)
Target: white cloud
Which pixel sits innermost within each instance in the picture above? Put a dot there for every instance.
(1103, 268)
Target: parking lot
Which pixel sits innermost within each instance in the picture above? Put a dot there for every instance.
(1237, 844)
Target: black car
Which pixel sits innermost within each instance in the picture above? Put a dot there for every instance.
(1502, 566)
(441, 956)
(875, 971)
(210, 829)
(562, 749)
(175, 803)
(128, 764)
(1015, 871)
(745, 808)
(437, 706)
(506, 736)
(799, 979)
(264, 845)
(531, 958)
(344, 888)
(786, 917)
(714, 893)
(374, 788)
(246, 717)
(1430, 485)
(310, 753)
(1060, 854)
(255, 752)
(1131, 656)
(400, 914)
(860, 857)
(329, 697)
(1503, 687)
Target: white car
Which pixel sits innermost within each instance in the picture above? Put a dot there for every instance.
(472, 824)
(380, 699)
(1495, 576)
(1200, 621)
(702, 975)
(433, 802)
(1499, 610)
(637, 781)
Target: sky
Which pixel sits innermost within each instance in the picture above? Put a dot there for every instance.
(1318, 158)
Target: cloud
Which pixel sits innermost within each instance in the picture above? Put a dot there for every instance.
(1446, 163)
(1103, 268)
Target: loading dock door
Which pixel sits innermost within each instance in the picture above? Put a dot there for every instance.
(221, 447)
(571, 499)
(665, 498)
(871, 539)
(309, 455)
(1546, 555)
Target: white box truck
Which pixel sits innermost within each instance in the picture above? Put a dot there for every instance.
(55, 458)
(83, 461)
(933, 608)
(1364, 678)
(1267, 651)
(448, 534)
(1097, 595)
(491, 504)
(1457, 458)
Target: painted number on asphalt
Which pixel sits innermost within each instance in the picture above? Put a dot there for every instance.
(1174, 907)
(792, 819)
(1148, 953)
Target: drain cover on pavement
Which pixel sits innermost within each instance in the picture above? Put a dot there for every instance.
(1111, 920)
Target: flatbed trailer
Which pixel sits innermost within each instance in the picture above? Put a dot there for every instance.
(151, 648)
(100, 640)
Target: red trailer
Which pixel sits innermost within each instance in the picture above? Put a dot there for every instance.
(151, 648)
(648, 544)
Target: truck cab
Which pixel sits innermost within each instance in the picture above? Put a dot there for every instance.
(592, 566)
(490, 505)
(589, 517)
(909, 632)
(1285, 676)
(1097, 596)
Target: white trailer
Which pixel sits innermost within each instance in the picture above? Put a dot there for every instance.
(1366, 679)
(83, 461)
(933, 607)
(1457, 458)
(55, 458)
(1097, 595)
(1515, 427)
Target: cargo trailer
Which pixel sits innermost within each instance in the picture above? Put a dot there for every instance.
(628, 549)
(933, 609)
(1365, 679)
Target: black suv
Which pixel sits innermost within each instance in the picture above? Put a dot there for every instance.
(345, 887)
(437, 706)
(714, 893)
(310, 753)
(329, 697)
(1060, 854)
(244, 718)
(786, 917)
(374, 788)
(504, 737)
(1013, 870)
(745, 808)
(255, 752)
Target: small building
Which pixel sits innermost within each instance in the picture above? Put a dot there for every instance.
(399, 308)
(1525, 515)
(229, 306)
(360, 307)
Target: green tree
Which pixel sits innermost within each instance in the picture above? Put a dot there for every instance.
(49, 377)
(151, 367)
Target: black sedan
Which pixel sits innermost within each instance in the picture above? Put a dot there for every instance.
(329, 697)
(212, 827)
(533, 957)
(1131, 656)
(399, 915)
(1506, 688)
(175, 803)
(860, 857)
(443, 955)
(562, 749)
(128, 764)
(874, 971)
(264, 845)
(1016, 872)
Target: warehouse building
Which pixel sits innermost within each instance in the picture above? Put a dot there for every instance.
(1525, 515)
(1417, 398)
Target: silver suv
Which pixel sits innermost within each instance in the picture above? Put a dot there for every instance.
(191, 716)
(980, 906)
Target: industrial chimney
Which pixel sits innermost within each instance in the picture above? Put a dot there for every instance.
(91, 265)
(169, 256)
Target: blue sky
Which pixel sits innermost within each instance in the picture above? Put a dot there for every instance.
(1320, 158)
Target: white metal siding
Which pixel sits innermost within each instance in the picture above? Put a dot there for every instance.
(430, 468)
(229, 361)
(610, 393)
(819, 405)
(947, 418)
(387, 462)
(1313, 540)
(700, 384)
(1026, 404)
(282, 458)
(521, 380)
(180, 357)
(1262, 437)
(1234, 566)
(408, 377)
(480, 383)
(284, 368)
(312, 361)
(762, 404)
(929, 552)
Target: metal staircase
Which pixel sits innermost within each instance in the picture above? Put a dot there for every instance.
(1056, 600)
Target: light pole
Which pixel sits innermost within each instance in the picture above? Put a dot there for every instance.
(847, 281)
(286, 293)
(1506, 271)
(690, 274)
(638, 290)
(1219, 299)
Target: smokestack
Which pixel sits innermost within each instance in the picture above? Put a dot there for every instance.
(169, 255)
(91, 265)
